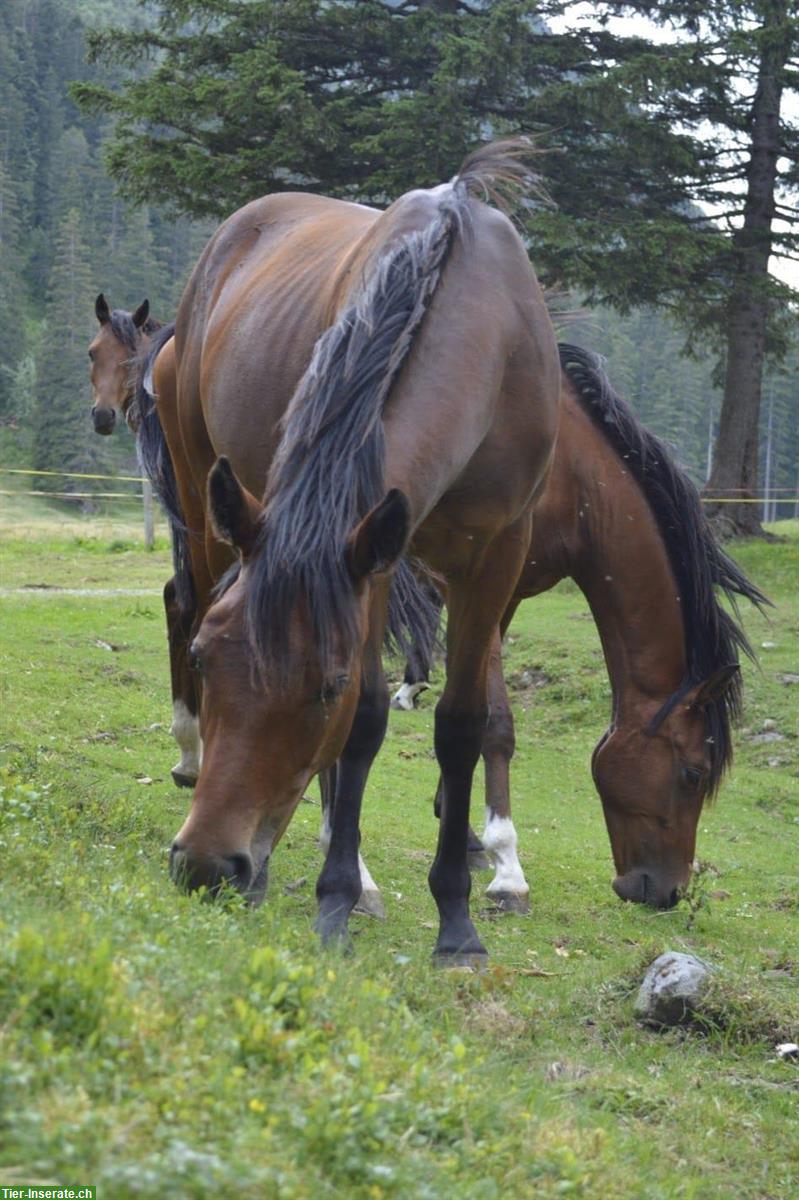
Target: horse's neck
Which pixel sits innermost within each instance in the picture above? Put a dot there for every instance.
(624, 571)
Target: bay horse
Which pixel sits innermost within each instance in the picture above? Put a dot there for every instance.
(113, 352)
(390, 383)
(624, 521)
(120, 392)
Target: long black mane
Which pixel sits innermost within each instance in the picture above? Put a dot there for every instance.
(713, 638)
(329, 468)
(152, 451)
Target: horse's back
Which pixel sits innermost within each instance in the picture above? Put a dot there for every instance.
(482, 386)
(266, 287)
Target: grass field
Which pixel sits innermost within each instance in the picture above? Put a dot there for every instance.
(153, 1045)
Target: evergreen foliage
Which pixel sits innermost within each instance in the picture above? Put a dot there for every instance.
(368, 99)
(199, 105)
(62, 440)
(52, 180)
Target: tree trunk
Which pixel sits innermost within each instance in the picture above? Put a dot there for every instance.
(734, 474)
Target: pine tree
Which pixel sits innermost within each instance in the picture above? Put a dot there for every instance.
(367, 99)
(726, 82)
(64, 440)
(11, 293)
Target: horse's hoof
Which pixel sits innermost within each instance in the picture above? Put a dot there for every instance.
(334, 938)
(479, 861)
(461, 961)
(511, 902)
(181, 780)
(370, 904)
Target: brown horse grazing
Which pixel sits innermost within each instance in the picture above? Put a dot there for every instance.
(622, 519)
(126, 340)
(392, 378)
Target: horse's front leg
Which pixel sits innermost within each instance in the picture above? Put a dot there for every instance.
(508, 889)
(185, 709)
(370, 902)
(476, 604)
(339, 886)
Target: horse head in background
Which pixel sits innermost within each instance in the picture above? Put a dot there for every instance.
(121, 337)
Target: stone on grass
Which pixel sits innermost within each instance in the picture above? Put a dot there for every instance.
(671, 992)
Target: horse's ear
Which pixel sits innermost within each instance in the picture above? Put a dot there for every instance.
(380, 538)
(714, 686)
(141, 314)
(235, 513)
(101, 310)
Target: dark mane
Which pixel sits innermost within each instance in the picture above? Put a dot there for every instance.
(713, 639)
(329, 468)
(155, 460)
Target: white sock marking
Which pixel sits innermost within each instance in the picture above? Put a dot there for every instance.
(186, 732)
(499, 839)
(367, 883)
(405, 698)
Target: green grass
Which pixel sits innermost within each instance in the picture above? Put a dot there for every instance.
(154, 1045)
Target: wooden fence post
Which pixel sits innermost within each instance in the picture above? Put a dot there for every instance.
(147, 497)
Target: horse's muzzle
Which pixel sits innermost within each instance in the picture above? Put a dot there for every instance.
(103, 419)
(191, 872)
(645, 887)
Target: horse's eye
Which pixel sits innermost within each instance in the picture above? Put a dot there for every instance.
(332, 688)
(692, 775)
(194, 660)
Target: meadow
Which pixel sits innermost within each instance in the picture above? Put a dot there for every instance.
(153, 1045)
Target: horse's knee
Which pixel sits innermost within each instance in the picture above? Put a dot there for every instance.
(459, 738)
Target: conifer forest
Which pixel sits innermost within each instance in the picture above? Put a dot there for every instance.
(129, 129)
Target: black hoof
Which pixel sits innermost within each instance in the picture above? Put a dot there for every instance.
(478, 860)
(460, 961)
(181, 780)
(511, 902)
(331, 924)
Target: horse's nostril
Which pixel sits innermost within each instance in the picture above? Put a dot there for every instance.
(673, 897)
(240, 868)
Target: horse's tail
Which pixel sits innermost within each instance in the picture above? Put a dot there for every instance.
(156, 463)
(333, 427)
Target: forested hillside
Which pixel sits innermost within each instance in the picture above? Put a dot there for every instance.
(65, 236)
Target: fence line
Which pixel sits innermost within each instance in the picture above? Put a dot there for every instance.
(70, 474)
(146, 486)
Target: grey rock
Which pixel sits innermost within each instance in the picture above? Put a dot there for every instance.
(771, 736)
(672, 989)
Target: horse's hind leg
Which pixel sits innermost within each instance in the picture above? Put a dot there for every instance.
(475, 608)
(185, 721)
(417, 666)
(508, 889)
(478, 859)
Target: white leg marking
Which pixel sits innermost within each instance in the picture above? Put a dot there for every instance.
(186, 732)
(367, 883)
(324, 833)
(499, 840)
(370, 902)
(405, 698)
